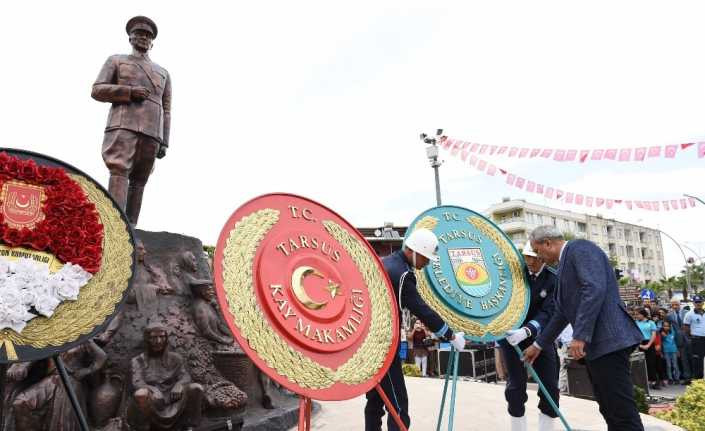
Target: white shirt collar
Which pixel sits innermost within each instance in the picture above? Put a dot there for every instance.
(538, 273)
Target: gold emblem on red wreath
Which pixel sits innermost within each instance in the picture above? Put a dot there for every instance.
(22, 204)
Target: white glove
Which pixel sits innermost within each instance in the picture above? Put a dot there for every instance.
(458, 341)
(516, 336)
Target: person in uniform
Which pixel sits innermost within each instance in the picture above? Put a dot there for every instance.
(418, 250)
(694, 327)
(542, 282)
(139, 119)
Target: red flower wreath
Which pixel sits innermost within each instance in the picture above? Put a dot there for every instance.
(71, 228)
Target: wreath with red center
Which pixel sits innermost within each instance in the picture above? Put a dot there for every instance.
(71, 228)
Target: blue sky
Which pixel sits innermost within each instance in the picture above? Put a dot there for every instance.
(327, 99)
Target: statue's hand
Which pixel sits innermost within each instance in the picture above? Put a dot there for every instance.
(139, 93)
(177, 392)
(162, 151)
(17, 372)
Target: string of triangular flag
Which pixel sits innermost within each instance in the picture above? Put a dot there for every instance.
(638, 154)
(567, 197)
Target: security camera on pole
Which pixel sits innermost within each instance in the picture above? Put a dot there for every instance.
(432, 154)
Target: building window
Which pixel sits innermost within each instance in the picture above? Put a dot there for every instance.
(582, 227)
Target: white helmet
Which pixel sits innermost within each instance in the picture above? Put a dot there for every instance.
(423, 242)
(528, 251)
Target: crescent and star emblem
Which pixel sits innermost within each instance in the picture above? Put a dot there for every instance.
(297, 286)
(26, 204)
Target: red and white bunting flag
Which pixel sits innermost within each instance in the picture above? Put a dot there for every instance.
(491, 170)
(510, 179)
(523, 153)
(685, 146)
(539, 189)
(610, 204)
(569, 198)
(474, 147)
(655, 151)
(559, 155)
(655, 205)
(579, 199)
(684, 205)
(671, 152)
(546, 153)
(588, 201)
(584, 155)
(691, 201)
(628, 204)
(483, 148)
(502, 150)
(666, 206)
(513, 151)
(639, 204)
(456, 147)
(549, 192)
(481, 165)
(447, 143)
(674, 204)
(493, 149)
(597, 154)
(625, 154)
(599, 202)
(520, 183)
(530, 186)
(534, 152)
(464, 152)
(611, 154)
(639, 154)
(570, 155)
(701, 150)
(559, 194)
(473, 160)
(647, 205)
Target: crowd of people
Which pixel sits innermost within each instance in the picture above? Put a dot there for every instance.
(673, 341)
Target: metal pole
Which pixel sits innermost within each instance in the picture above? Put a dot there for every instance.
(435, 165)
(71, 393)
(3, 374)
(687, 269)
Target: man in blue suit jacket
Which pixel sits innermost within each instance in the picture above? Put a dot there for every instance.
(604, 333)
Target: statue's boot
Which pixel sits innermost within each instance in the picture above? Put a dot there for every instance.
(117, 186)
(134, 203)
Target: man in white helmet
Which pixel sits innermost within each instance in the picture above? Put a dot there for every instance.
(418, 250)
(542, 281)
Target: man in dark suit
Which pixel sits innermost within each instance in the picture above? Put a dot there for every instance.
(139, 119)
(682, 340)
(604, 333)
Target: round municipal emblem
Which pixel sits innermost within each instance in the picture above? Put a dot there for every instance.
(66, 256)
(478, 285)
(306, 297)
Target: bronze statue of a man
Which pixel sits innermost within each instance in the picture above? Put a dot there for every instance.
(140, 116)
(164, 393)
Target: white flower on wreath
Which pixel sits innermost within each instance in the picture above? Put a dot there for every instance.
(27, 284)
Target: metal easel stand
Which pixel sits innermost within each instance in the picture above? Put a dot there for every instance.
(71, 393)
(305, 411)
(453, 359)
(543, 389)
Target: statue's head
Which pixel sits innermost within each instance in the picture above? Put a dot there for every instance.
(140, 250)
(142, 32)
(188, 262)
(155, 337)
(204, 291)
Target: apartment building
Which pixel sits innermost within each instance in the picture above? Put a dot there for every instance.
(637, 249)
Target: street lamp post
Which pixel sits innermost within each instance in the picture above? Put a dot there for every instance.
(685, 258)
(432, 154)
